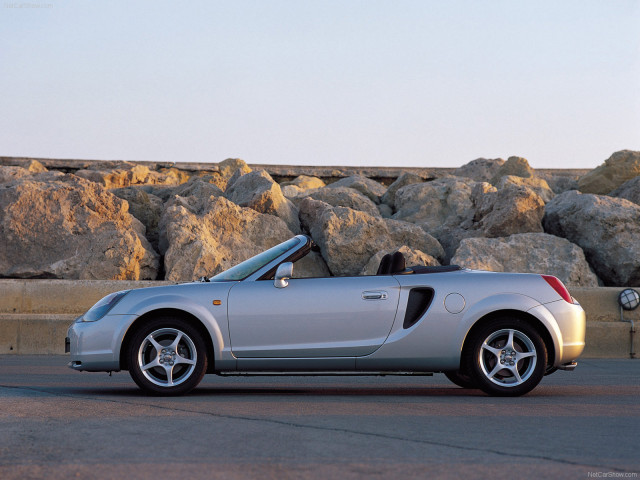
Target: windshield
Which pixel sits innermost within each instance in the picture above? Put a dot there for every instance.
(246, 268)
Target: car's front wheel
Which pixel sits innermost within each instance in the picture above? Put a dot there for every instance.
(167, 356)
(506, 357)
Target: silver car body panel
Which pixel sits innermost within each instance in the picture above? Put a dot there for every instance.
(335, 323)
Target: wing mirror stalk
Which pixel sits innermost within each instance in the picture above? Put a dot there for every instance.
(283, 273)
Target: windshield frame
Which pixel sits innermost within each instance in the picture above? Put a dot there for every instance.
(263, 261)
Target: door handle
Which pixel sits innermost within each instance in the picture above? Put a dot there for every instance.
(374, 295)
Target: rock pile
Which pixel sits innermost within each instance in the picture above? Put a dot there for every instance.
(121, 220)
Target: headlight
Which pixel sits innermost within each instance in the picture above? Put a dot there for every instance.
(103, 306)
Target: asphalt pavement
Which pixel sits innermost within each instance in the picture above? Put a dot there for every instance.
(57, 423)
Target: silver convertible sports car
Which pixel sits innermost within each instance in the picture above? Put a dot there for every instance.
(499, 332)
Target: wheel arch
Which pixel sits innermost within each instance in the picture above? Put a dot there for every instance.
(168, 312)
(530, 319)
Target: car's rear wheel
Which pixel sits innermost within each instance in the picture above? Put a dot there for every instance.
(506, 357)
(167, 356)
(460, 378)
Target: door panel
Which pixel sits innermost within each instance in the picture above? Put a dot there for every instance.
(312, 317)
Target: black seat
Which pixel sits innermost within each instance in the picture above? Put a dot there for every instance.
(397, 263)
(385, 265)
(391, 263)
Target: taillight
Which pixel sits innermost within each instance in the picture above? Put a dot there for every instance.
(559, 287)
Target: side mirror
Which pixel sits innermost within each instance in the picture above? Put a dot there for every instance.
(283, 273)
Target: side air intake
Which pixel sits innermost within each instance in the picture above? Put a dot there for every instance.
(418, 304)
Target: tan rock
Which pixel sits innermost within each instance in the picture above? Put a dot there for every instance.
(61, 226)
(511, 209)
(538, 185)
(257, 190)
(203, 237)
(528, 253)
(230, 166)
(617, 169)
(516, 166)
(130, 174)
(305, 182)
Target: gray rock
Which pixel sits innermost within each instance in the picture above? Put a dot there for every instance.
(629, 190)
(480, 170)
(364, 185)
(606, 228)
(61, 226)
(617, 169)
(528, 253)
(203, 237)
(385, 210)
(257, 190)
(406, 178)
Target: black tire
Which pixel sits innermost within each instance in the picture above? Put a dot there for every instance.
(174, 354)
(503, 367)
(460, 379)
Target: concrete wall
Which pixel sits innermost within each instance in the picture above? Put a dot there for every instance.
(35, 314)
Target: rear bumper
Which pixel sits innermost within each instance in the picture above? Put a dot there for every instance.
(567, 325)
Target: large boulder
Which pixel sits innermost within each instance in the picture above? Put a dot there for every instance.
(342, 197)
(146, 207)
(617, 169)
(528, 253)
(257, 190)
(508, 210)
(412, 257)
(516, 166)
(62, 226)
(349, 238)
(480, 170)
(443, 207)
(406, 178)
(606, 228)
(364, 185)
(538, 185)
(203, 237)
(629, 190)
(559, 182)
(437, 204)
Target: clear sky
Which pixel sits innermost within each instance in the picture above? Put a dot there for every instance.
(346, 82)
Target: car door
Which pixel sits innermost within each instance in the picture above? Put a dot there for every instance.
(312, 317)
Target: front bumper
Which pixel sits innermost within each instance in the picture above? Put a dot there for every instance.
(95, 346)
